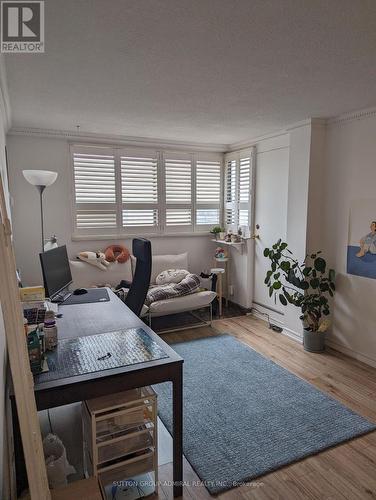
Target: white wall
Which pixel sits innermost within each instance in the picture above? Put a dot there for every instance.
(240, 275)
(329, 167)
(350, 176)
(297, 209)
(53, 154)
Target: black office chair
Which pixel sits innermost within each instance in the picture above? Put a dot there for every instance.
(141, 249)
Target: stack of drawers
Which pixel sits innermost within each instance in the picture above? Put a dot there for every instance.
(120, 438)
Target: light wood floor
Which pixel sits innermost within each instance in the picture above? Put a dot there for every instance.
(346, 471)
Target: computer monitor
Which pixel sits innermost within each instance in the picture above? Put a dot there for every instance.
(56, 273)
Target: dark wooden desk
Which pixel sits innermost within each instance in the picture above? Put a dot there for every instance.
(88, 319)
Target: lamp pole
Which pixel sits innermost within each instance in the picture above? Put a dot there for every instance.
(41, 189)
(40, 179)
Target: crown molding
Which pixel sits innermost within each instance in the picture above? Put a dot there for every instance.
(91, 137)
(354, 115)
(238, 146)
(313, 122)
(4, 95)
(95, 138)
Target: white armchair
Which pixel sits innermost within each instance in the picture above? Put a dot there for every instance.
(85, 275)
(176, 305)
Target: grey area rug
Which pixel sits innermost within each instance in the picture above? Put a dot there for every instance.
(245, 416)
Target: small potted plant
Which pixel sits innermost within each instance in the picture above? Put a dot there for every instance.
(216, 230)
(306, 285)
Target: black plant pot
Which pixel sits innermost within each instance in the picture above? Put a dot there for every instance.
(313, 341)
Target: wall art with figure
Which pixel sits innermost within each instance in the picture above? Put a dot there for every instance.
(361, 249)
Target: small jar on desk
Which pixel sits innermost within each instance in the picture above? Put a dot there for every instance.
(50, 334)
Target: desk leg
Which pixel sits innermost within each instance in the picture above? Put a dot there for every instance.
(20, 466)
(177, 401)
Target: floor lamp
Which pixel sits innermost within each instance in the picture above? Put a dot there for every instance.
(40, 179)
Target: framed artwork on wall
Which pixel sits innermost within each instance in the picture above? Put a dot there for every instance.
(361, 249)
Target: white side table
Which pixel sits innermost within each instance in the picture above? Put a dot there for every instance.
(219, 271)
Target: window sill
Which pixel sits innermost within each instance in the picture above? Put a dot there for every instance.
(97, 237)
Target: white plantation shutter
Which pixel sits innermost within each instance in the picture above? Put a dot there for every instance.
(134, 191)
(208, 193)
(139, 191)
(244, 189)
(178, 174)
(178, 191)
(230, 217)
(231, 193)
(178, 217)
(91, 219)
(238, 185)
(244, 179)
(231, 179)
(94, 189)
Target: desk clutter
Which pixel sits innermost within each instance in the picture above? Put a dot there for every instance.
(102, 351)
(120, 443)
(39, 325)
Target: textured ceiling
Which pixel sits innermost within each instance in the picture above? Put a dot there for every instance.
(198, 70)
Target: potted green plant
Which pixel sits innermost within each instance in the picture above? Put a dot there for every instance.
(306, 285)
(215, 231)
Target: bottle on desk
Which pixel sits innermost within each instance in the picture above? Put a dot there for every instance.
(50, 334)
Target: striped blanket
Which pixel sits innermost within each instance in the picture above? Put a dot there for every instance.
(188, 285)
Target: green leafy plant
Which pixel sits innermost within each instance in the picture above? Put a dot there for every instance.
(306, 285)
(216, 230)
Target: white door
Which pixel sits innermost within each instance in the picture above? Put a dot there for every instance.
(271, 215)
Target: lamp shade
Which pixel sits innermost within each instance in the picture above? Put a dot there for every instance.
(40, 177)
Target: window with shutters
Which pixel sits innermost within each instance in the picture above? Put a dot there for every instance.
(208, 193)
(231, 196)
(121, 191)
(238, 189)
(95, 190)
(244, 189)
(139, 191)
(178, 192)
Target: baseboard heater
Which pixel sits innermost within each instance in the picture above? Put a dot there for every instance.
(272, 326)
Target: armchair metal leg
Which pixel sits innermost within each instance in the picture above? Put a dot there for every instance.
(201, 323)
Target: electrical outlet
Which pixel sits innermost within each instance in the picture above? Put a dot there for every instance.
(231, 289)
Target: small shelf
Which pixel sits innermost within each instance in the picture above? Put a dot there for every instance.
(238, 246)
(120, 437)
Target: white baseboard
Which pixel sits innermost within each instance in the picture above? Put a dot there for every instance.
(293, 335)
(336, 346)
(260, 312)
(331, 343)
(351, 353)
(285, 331)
